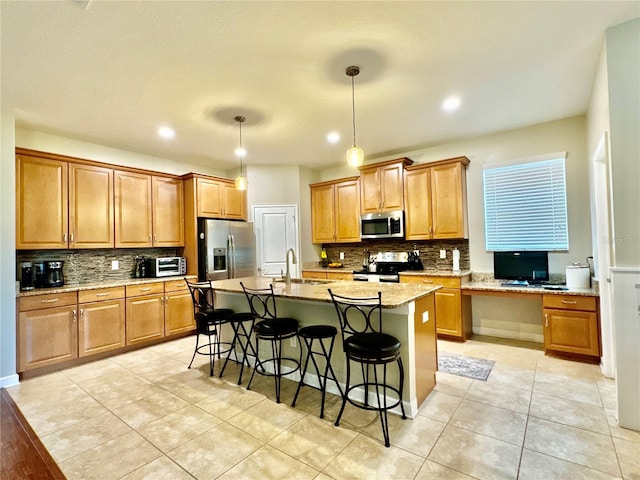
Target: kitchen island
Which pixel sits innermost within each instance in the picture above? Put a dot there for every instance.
(408, 314)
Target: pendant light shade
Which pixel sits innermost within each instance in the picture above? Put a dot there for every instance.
(355, 155)
(241, 181)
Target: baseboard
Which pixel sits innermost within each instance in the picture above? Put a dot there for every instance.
(510, 334)
(9, 380)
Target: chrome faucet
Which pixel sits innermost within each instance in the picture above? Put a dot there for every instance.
(294, 260)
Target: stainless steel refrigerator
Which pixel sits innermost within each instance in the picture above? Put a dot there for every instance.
(226, 249)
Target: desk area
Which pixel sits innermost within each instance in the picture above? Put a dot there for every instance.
(570, 318)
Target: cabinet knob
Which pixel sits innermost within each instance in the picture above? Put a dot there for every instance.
(82, 313)
(71, 237)
(145, 289)
(150, 238)
(155, 238)
(75, 316)
(546, 319)
(569, 302)
(64, 237)
(49, 301)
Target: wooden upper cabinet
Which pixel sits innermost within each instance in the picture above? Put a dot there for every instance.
(168, 212)
(335, 216)
(41, 203)
(436, 200)
(234, 202)
(91, 214)
(133, 207)
(381, 186)
(219, 198)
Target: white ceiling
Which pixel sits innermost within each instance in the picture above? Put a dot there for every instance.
(114, 72)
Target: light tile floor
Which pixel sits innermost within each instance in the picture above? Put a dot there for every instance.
(144, 415)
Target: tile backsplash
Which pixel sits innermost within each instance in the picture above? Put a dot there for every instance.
(429, 252)
(92, 266)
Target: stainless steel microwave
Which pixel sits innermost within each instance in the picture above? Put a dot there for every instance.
(166, 266)
(382, 225)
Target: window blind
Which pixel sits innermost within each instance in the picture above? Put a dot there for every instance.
(525, 206)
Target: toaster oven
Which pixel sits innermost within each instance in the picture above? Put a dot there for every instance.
(166, 266)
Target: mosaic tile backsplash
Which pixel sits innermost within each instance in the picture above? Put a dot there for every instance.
(429, 252)
(93, 266)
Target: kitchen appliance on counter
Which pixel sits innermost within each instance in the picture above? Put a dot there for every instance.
(38, 269)
(165, 267)
(53, 276)
(382, 225)
(27, 276)
(226, 249)
(388, 267)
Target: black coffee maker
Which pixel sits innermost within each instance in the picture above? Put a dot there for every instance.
(27, 276)
(53, 276)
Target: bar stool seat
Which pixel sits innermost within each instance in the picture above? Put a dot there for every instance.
(311, 334)
(273, 329)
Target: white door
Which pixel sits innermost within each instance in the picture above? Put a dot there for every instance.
(276, 229)
(604, 254)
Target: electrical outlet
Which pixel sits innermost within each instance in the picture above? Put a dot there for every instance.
(115, 265)
(425, 316)
(443, 253)
(341, 255)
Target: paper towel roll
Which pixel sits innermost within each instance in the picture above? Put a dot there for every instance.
(456, 260)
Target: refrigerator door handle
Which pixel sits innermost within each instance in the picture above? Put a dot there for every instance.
(232, 256)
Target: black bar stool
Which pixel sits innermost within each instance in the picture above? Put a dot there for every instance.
(364, 343)
(274, 330)
(209, 321)
(242, 339)
(310, 335)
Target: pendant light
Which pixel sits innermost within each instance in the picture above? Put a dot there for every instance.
(241, 181)
(355, 155)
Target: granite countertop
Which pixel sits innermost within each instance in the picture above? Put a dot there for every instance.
(394, 295)
(104, 284)
(497, 287)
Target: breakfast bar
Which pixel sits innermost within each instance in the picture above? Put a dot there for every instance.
(408, 314)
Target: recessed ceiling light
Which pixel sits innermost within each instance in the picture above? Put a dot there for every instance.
(451, 103)
(166, 132)
(333, 137)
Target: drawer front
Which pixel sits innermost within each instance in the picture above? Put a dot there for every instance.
(339, 276)
(569, 302)
(99, 294)
(175, 285)
(48, 301)
(307, 274)
(448, 282)
(144, 289)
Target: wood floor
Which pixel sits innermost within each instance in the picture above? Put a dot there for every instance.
(22, 455)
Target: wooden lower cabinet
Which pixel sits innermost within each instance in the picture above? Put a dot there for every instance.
(178, 308)
(47, 330)
(571, 325)
(452, 309)
(101, 325)
(145, 312)
(327, 275)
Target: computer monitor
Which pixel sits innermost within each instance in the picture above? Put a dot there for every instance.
(532, 267)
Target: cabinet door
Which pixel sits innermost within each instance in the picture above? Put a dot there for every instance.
(145, 318)
(347, 211)
(391, 187)
(101, 327)
(46, 337)
(41, 203)
(370, 191)
(209, 198)
(91, 214)
(417, 212)
(133, 210)
(323, 221)
(234, 204)
(448, 201)
(318, 275)
(449, 312)
(168, 212)
(178, 313)
(339, 276)
(571, 331)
